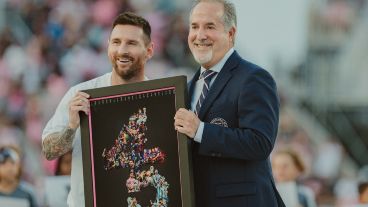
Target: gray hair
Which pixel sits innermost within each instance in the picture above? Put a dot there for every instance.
(229, 17)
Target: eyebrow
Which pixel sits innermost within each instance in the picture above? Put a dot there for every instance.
(210, 24)
(206, 24)
(115, 38)
(133, 41)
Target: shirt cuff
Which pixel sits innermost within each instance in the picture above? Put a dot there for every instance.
(199, 133)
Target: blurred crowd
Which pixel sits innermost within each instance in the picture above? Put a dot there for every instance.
(319, 165)
(48, 45)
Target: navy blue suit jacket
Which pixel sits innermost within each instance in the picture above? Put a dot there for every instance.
(231, 165)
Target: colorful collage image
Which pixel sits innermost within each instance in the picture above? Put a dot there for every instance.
(129, 151)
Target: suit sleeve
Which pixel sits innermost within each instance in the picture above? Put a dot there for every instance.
(257, 119)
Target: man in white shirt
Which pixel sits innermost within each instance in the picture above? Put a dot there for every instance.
(129, 48)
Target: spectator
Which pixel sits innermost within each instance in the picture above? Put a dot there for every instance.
(288, 167)
(10, 173)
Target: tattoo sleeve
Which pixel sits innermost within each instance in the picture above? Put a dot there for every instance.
(58, 143)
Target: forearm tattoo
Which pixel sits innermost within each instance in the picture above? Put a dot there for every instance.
(57, 144)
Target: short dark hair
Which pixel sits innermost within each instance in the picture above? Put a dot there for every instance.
(129, 18)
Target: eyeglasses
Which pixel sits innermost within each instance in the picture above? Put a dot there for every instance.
(8, 153)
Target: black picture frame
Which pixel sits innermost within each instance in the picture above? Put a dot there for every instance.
(130, 149)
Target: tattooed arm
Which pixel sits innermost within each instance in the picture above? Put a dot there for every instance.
(57, 144)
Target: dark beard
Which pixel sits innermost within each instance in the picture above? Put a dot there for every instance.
(129, 74)
(134, 69)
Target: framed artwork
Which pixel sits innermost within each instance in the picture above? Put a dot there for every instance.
(132, 154)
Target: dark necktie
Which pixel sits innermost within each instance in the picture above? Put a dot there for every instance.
(207, 76)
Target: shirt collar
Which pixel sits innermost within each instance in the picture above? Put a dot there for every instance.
(217, 68)
(108, 80)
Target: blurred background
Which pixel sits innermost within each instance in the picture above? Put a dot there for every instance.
(317, 51)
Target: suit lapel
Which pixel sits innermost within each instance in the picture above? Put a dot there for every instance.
(191, 85)
(222, 78)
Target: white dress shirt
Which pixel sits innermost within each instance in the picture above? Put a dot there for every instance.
(199, 86)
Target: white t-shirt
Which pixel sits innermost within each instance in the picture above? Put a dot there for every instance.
(59, 121)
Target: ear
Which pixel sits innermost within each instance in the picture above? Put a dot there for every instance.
(150, 50)
(108, 44)
(232, 32)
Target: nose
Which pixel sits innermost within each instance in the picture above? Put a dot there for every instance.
(122, 49)
(201, 34)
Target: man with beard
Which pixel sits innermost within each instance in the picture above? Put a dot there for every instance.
(129, 48)
(234, 118)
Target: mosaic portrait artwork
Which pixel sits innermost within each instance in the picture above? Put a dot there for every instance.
(132, 152)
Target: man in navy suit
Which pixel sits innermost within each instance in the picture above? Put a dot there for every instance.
(234, 114)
